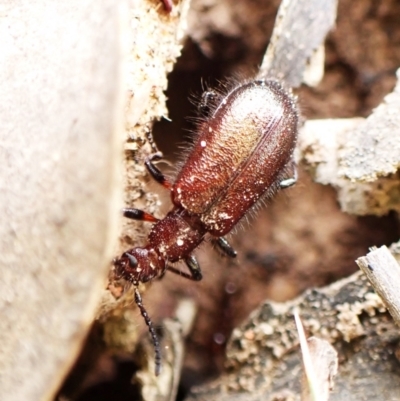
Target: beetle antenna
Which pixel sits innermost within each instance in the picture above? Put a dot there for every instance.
(152, 331)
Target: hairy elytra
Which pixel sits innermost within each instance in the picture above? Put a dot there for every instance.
(243, 153)
(240, 153)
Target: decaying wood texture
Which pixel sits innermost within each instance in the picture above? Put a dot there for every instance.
(65, 70)
(264, 360)
(60, 140)
(383, 271)
(155, 40)
(360, 158)
(373, 149)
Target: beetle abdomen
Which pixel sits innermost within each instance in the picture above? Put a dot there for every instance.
(241, 151)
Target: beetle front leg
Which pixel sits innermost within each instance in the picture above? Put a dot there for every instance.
(155, 172)
(137, 214)
(194, 274)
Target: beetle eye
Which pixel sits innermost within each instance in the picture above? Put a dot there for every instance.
(132, 260)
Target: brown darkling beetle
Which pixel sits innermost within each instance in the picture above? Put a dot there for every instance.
(243, 153)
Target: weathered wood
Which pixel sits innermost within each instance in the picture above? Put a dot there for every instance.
(383, 271)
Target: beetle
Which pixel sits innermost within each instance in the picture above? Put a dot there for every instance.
(243, 153)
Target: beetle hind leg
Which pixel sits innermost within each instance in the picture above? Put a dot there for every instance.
(225, 247)
(288, 182)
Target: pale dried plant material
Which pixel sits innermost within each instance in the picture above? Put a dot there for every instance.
(299, 31)
(315, 68)
(320, 363)
(373, 148)
(383, 271)
(263, 358)
(359, 157)
(154, 41)
(61, 85)
(320, 144)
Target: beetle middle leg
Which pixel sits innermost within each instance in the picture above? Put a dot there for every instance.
(194, 274)
(225, 246)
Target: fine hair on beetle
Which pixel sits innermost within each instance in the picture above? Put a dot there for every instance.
(206, 103)
(242, 153)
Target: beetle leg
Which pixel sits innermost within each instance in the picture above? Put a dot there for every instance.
(225, 246)
(207, 98)
(194, 269)
(155, 172)
(152, 331)
(167, 5)
(288, 182)
(137, 214)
